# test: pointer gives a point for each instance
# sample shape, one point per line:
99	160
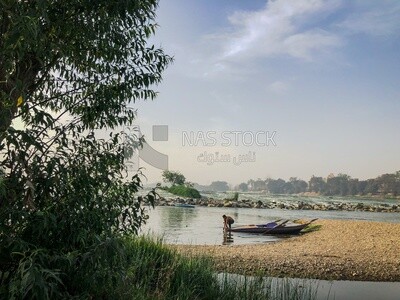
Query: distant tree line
215	186
340	185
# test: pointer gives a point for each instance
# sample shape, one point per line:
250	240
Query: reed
159	272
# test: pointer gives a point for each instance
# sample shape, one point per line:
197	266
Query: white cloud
278	29
381	21
303	45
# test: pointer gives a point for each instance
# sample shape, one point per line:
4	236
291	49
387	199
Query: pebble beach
339	250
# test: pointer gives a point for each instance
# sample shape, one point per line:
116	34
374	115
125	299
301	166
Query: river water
327	290
203	225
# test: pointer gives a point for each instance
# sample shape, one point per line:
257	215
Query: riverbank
340	250
279	204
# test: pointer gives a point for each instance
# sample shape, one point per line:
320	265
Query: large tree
66	69
219	186
243	187
173	177
276	186
337	185
317	184
86	58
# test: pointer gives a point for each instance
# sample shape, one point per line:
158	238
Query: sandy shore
340	250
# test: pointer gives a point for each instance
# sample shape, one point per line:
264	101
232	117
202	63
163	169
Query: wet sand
339	250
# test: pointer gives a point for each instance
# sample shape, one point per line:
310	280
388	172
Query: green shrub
69	245
184	191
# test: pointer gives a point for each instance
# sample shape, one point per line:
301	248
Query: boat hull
287	229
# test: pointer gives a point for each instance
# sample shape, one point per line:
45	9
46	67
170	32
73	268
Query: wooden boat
272	228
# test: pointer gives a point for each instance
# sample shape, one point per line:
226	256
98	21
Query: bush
60	235
184	191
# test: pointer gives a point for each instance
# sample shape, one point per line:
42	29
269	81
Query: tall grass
140	268
246	287
158	272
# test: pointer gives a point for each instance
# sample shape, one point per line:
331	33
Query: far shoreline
278	203
314	194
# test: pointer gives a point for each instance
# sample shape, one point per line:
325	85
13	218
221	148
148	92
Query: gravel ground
340	250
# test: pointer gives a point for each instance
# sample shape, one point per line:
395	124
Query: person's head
224	216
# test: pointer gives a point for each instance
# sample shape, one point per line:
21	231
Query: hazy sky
323	75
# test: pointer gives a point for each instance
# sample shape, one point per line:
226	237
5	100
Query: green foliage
2	184
62	238
257	185
184	191
243	187
162	273
87	58
219	186
68	68
276	186
387	185
158	272
317	184
235	197
311	228
337	185
175	178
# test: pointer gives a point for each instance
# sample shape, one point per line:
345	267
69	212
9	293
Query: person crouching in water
228	221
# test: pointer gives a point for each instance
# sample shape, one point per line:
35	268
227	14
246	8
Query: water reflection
323	289
203	225
178	217
228	238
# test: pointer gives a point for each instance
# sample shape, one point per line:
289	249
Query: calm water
357	290
203	225
338	290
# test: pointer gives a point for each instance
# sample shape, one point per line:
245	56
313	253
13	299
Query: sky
277	89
